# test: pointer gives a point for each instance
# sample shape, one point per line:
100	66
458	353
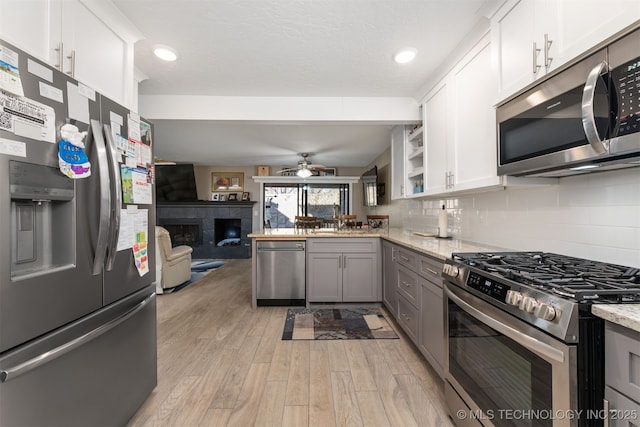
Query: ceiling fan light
304	173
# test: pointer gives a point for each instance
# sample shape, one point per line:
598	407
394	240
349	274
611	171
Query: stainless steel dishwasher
281	273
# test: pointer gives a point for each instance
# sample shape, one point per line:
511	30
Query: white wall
594	216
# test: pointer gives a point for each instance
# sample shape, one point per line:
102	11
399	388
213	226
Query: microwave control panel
626	78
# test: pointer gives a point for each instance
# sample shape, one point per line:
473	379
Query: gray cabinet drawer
408	285
622	362
431	269
408	258
343	245
408	318
623	412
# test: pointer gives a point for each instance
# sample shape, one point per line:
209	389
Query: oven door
502	372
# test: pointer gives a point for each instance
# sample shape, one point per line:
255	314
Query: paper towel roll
443	223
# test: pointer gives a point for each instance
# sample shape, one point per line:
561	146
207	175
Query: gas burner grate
575	278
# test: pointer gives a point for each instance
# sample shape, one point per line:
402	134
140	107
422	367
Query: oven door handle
545	350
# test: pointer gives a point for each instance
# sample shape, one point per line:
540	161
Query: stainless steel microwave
584	118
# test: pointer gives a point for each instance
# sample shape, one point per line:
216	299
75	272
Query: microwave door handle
537	346
114	224
588	118
105	198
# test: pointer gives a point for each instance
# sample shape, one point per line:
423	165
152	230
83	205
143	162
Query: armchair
173	265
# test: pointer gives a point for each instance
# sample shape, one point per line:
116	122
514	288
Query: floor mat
336	324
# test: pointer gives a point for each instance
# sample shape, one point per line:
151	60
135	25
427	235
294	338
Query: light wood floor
221	363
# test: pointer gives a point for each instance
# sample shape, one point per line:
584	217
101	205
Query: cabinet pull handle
547	45
72	64
60	50
340	261
404	258
393	254
344	263
536	51
431	271
408	285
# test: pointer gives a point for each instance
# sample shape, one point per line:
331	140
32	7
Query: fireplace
212	229
184	234
227	231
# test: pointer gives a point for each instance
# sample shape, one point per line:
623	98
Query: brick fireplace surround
194	224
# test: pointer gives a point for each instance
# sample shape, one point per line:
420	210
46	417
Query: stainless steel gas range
523	348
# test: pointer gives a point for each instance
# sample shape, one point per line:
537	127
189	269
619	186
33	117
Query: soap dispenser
443	223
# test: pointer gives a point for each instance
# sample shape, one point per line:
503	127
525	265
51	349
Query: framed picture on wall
223	197
245	196
233	197
227	181
215	197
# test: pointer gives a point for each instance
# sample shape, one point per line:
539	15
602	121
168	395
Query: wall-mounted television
370	187
175	183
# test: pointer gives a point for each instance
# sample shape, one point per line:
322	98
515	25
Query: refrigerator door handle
105	202
116	202
24	367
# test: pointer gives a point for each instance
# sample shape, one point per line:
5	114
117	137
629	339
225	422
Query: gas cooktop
577	279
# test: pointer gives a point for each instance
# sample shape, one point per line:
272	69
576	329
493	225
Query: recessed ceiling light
405	55
165	53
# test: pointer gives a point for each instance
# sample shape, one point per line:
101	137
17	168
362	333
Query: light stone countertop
433	246
627	315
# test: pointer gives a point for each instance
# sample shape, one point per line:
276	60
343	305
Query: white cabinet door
398	134
101	55
518	32
437	121
474	160
585	23
33	26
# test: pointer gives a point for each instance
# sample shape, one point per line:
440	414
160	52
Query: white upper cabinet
87	39
407	161
28	25
534	37
585	23
398	135
437	115
460	126
523	34
474	164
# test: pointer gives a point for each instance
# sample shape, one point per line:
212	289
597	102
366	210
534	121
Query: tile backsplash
594	216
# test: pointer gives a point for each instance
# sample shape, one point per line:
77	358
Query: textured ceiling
308	48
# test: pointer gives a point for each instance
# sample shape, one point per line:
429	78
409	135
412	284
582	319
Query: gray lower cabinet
389	281
431	339
343	270
418	299
622	375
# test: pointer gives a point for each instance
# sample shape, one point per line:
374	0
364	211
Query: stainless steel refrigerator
77	300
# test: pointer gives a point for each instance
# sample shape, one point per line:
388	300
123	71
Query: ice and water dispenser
42	219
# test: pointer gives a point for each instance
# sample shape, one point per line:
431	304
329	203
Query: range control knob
546	312
513	297
528	304
451	270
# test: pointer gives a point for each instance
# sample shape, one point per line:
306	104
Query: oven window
502	377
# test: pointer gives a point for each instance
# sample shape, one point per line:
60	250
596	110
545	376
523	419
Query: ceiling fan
304	169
